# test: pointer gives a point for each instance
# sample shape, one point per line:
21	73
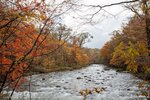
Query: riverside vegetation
128	50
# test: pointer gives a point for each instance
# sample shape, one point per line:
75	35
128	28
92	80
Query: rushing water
66	85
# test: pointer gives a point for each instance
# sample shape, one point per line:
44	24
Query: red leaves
25	9
19	39
6	61
16	47
104	50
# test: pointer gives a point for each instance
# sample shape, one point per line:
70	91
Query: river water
66	85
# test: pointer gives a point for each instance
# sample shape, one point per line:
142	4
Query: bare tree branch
135	11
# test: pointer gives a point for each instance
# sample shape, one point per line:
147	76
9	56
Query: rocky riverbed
66	85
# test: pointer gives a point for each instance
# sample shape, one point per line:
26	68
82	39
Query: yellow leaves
19	15
132	50
144	94
32	14
129	55
142	48
28	15
82	58
147	70
144	5
132	66
141	85
43	17
144	88
85	92
118	56
16	14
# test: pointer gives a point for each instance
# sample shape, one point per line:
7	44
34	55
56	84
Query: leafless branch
134	10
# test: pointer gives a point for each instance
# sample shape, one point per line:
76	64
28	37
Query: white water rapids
66	85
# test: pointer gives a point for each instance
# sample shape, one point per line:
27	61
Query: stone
106	68
58	86
65	88
128	89
79	78
43	78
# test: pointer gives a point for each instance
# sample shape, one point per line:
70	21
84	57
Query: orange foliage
104	52
79	56
13	49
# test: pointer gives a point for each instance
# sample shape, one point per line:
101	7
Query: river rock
125	71
58	86
66	82
103	71
106	68
65	88
79	78
128	89
43	78
97	83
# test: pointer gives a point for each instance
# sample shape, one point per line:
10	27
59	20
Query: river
66	85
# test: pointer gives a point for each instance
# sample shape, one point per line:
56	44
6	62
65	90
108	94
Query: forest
24	47
35	41
128	48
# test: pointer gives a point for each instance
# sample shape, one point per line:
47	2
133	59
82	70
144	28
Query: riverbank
140	75
39	70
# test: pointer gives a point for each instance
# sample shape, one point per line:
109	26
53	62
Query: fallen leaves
85	92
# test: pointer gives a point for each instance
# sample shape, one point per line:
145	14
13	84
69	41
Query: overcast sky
108	22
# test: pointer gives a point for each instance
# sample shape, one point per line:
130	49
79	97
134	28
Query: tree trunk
147	22
148	31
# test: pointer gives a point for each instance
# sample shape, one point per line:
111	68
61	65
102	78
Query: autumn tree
23	32
129	50
144	6
118	56
105	53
